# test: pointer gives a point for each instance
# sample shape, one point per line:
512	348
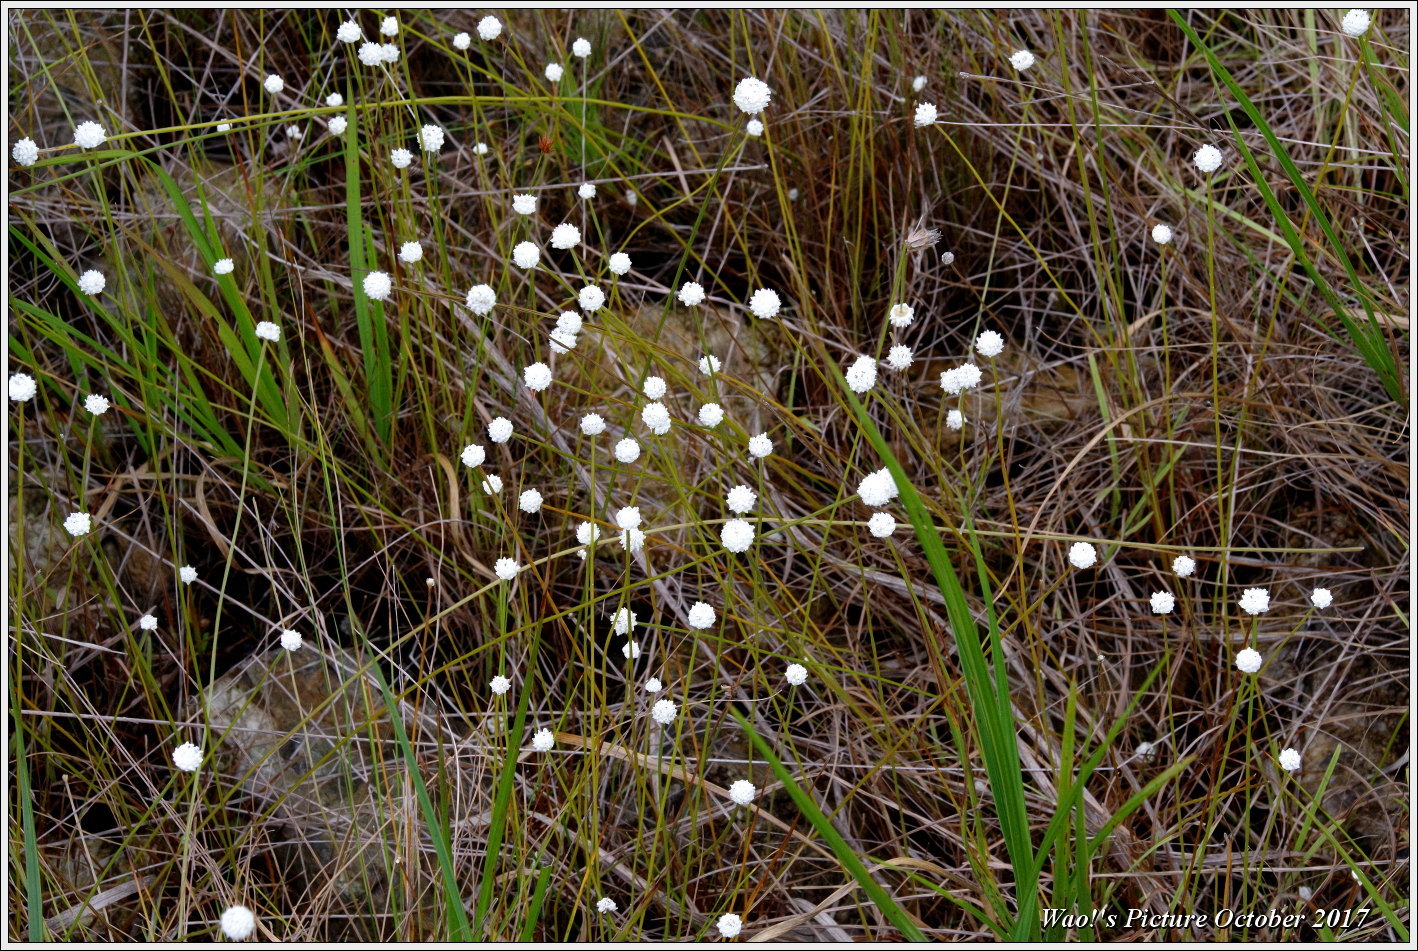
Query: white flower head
1162	233
1255	601
752	95
22	388
562	341
187	757
605	905
92	282
348	32
737	535
581	48
691	293
1322	598
711	415
238	922
388	53
78	523
628	517
370	54
462	41
431	138
1163	602
760	446
958	379
492	484
740	499
925	114
654	387
334	100
401	158
1290	759
292	640
489	27
878	488
224	266
337	125
569	321
473	455
653	685
754	128
619	263
565	236
500	685
377	285
553	72
537	376
901	315
500	429
623	622
543	740
148	622
481	300
701	615
506	568
989	344
389	26
881	525
274	84
25	152
1355	23
918	84
587	532
954	419
1082	555
664	712
1021	60
630	650
632	540
730	925
187	573
1207	158
1183	565
524	204
627	450
294	131
89	135
98	405
266	330
410	252
900	357
656	417
796	674
764	304
861	375
742	792
591	298
592	424
530	501
587	191
709	364
1248	661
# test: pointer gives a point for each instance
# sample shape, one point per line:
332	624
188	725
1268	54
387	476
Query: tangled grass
985	732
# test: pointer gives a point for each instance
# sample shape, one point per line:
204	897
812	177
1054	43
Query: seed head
623	622
653	685
401	158
389	26
918	84
961	378
709	365
337	125
654	387
587	191
754	128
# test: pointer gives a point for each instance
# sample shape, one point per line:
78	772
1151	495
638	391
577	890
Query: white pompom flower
737	535
148	622
752	95
187	757
900	357
581	48
500	429
401	158
926	114
623	622
377	285
878	488
653	685
691	293
537	376
605	905
1355	23
481	299
701	615
292	640
861	375
410	252
565	236
740	499
627	450
500	685
25	152
473	455
1322	598
562	341
1255	601
530	501
266	330
664	712
187	574
553	72
492	484
238	922
89	135
462	41
274	84
742	792
630	650
628	517
954	419
506	568
709	364
78	523
1207	159
656	417
1021	60
958	379
1162	233
569	321
348	32
22	388
764	304
1183	565
619	263
754	128
796	674
587	191
881	525
1082	555
389	26
98	405
370	54
654	387
337	125
224	266
489	27
593	424
760	446
901	315
591	298
1290	759
335	100
729	925
431	138
989	344
1248	660
1163	602
543	740
524	204
918	84
92	282
711	415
